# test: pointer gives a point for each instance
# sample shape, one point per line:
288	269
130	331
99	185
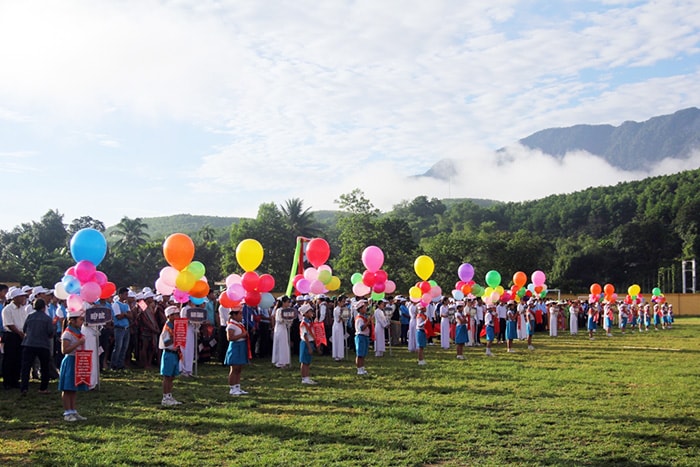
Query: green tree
299	221
85	222
130	233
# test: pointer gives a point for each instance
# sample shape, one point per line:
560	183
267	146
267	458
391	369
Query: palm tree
207	233
299	221
130	233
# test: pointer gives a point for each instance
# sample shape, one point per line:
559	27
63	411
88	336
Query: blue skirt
304	355
461	334
237	353
421	338
623	323
591	324
169	364
608	323
511	330
490	333
361	345
531	327
657	320
66	380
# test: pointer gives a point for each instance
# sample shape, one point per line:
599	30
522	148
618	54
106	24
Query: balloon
253	298
70	271
178	250
494	296
317	287
266	283
100	278
519	278
477	290
390	287
355	278
324	276
227	302
634	290
267	300
538	277
373	258
71	284
426	297
181	296
249	254
109	289
197	300
415	292
85	271
424	286
596	289
360	289
161	287
609	289
379	287
235	292
303	286
506	296
493	278
333	284
233	279
457	295
465	272
296	279
488	291
499	289
90	292
376	296
368	278
74	302
317	251
197	269
169	275
311	274
59	291
185	280
466	289
380	276
88	245
543	294
325	267
250	281
200	289
435	291
656	291
424	267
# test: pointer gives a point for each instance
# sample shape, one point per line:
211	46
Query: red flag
319	333
180	333
83	367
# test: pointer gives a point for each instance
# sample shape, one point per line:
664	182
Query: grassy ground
629	400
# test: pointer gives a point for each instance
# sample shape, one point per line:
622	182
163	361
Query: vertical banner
319	333
180	333
83	367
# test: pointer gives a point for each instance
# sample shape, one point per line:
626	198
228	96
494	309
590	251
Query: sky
143	108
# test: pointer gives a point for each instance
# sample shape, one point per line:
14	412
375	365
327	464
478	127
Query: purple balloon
466	272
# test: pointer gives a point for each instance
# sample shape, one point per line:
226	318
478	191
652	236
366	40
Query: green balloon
521	292
656	291
493	279
377	296
477	290
355	278
432	283
543	294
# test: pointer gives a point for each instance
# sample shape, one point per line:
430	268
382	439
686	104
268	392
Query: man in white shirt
13	318
502	311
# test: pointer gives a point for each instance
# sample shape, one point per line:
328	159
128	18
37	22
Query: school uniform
66	380
461	332
421	336
362	331
237	352
488	322
511	325
170	357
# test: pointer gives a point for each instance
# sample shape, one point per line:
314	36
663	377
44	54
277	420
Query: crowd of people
40	336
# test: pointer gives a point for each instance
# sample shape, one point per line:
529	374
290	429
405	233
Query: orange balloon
596	289
200	289
519	278
609	289
178	250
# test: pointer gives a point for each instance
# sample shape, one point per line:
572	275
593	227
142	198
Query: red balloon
380	277
266	283
108	289
379	287
252	298
296	279
318	251
226	301
250	281
424	286
368	278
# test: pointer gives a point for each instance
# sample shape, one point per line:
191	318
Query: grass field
628	400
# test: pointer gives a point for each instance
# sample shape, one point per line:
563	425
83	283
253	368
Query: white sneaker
79	417
168	402
460	357
530	347
242	392
70	417
421	362
361	371
308	381
489	353
511	351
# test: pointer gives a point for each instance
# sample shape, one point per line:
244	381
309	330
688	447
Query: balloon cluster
425	291
318	279
466	287
657	296
184	279
605	293
634	295
251	287
83	282
373	279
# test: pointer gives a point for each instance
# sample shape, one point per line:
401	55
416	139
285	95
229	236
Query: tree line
633	232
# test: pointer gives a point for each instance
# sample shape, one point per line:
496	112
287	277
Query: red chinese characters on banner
83	367
319	334
180	333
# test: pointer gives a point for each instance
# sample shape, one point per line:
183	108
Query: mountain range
629	146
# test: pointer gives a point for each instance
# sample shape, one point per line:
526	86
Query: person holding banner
71	341
238	353
170	357
306	343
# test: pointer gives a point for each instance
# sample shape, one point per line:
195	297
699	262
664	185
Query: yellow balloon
424	267
634	289
249	254
185	280
333	284
415	292
488	291
500	290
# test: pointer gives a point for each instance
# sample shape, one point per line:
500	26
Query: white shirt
502	311
223	315
12	314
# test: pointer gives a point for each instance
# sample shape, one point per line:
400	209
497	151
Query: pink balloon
360	289
426	297
380	276
325	267
74	302
317	287
180	296
100	278
373	258
90	292
303	286
169	275
70	271
163	288
379	287
85	271
435	291
233	279
538	278
311	274
390	287
235	292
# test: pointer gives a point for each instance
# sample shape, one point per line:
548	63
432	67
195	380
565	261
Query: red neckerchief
247	341
77	335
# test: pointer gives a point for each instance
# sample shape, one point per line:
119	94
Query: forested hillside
635	232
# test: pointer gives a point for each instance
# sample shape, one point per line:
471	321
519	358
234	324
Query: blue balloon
89	245
197	301
71	284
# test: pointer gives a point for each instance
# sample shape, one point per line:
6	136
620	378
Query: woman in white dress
413	312
280	338
444	324
380	324
553	319
573	318
522	321
338	330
